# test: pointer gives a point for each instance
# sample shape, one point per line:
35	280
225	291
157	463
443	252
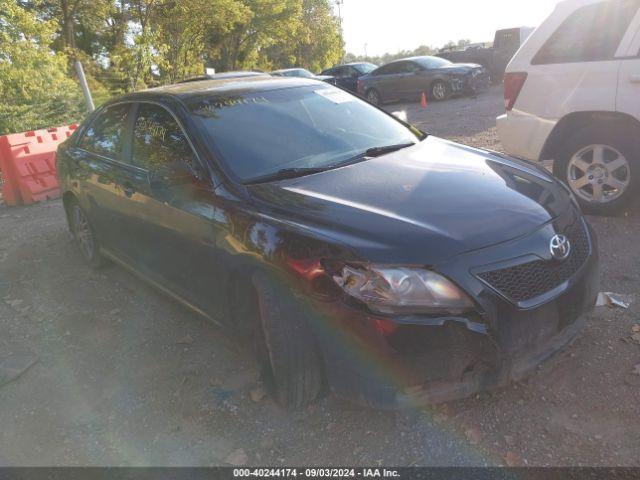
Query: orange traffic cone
423	102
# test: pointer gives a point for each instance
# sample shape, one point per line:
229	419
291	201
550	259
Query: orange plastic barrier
28	164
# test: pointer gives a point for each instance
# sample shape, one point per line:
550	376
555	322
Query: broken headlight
397	290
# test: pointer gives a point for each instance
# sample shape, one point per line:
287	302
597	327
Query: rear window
305	127
592	33
365	68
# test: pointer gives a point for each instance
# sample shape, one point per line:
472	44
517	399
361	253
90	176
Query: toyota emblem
560	247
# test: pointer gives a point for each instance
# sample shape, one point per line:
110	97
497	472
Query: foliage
35	87
128	45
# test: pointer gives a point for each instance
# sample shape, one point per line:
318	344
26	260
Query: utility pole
339	4
85	87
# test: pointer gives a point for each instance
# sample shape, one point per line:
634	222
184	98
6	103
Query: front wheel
286	348
440	91
601	167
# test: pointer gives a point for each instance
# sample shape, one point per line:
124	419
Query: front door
628	99
177	220
347	78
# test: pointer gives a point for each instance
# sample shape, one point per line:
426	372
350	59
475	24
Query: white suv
572	95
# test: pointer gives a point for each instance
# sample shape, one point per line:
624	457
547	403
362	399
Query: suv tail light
513	83
360	87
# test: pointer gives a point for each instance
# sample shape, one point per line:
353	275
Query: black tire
84	235
286	348
373	97
621	139
439	91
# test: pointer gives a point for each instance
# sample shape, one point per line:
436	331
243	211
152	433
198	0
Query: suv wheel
601	167
289	356
84	235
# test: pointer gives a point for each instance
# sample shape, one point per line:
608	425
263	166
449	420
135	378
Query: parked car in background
347	75
408	78
223	75
353	249
302	73
495	57
572	95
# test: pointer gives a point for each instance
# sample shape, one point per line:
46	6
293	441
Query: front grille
532	279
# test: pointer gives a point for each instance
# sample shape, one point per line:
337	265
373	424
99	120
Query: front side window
259	134
105	135
159	142
592	33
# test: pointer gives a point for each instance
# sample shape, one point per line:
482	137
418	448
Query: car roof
289	69
233	74
219	87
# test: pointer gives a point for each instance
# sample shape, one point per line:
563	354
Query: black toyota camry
351	249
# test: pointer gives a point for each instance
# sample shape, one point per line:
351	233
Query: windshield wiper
286	173
377	152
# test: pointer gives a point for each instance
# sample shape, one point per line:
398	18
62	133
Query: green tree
317	42
261	25
35	89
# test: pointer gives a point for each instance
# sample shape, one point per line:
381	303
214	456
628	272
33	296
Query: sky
394	25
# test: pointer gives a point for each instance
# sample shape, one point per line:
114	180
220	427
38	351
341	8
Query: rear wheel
84	235
440	91
373	97
601	166
287	351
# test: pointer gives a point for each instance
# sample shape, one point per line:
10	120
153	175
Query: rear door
105	176
388	80
576	68
628	100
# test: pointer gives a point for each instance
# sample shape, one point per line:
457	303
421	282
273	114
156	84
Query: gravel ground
125	376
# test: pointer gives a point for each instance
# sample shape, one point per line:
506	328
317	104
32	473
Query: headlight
396	290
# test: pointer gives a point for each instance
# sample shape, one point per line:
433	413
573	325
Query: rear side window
592	33
159	142
105	135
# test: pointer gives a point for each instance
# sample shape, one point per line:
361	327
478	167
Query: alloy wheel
82	232
439	91
598	174
373	97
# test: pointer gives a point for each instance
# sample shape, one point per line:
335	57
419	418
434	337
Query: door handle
128	190
635	78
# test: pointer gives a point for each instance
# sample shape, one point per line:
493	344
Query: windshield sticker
335	95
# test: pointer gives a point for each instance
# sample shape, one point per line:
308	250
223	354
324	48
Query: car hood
420	205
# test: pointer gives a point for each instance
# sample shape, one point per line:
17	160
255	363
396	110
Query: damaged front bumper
415	361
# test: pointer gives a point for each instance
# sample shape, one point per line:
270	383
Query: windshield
305	127
433	62
299	72
365	67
